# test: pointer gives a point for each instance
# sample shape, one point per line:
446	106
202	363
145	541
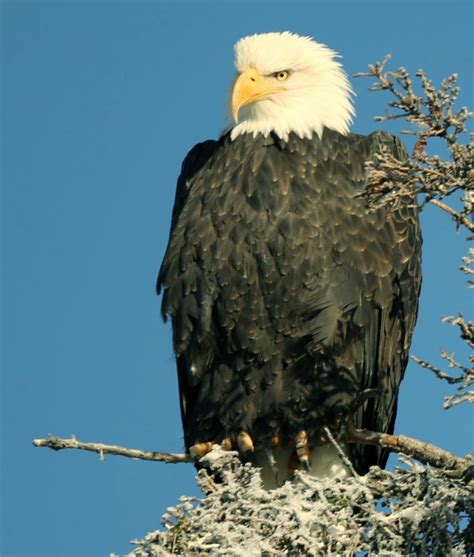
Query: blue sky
101	101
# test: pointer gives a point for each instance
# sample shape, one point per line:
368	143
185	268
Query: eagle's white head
287	83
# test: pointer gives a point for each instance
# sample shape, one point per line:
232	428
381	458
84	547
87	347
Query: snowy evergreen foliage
413	510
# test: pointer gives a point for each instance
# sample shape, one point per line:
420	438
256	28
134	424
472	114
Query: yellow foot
200	449
245	445
242	442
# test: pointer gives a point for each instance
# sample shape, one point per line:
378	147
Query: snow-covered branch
410	511
426	453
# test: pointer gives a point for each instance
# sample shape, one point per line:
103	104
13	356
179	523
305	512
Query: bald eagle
289	298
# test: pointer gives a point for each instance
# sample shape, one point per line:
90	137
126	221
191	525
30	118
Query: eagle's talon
306	463
227	444
302	449
245	445
276	440
200	449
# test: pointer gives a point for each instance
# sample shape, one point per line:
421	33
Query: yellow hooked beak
250	87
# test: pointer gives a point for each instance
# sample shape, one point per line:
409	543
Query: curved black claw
306	465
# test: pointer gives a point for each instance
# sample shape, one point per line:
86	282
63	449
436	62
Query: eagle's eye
281	75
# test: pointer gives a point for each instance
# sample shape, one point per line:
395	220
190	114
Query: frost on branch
412	510
432	114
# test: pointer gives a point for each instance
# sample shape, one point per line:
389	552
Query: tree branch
58	444
452	465
438	372
427	453
457	216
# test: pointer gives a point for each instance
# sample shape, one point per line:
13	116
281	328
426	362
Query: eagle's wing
192	165
360	305
391	318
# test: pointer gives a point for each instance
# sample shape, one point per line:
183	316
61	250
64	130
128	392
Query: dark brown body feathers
287	296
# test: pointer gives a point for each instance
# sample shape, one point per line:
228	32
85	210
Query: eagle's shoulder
367	146
381	140
192	164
